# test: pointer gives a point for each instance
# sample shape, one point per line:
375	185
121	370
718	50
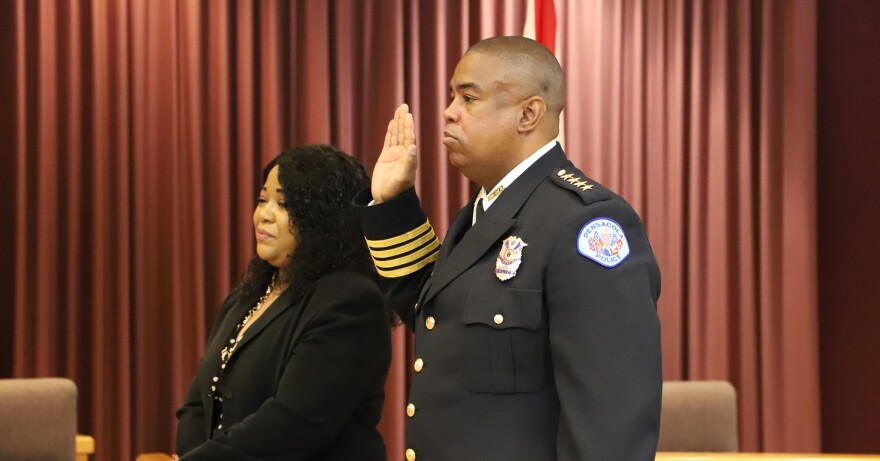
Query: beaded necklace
227	351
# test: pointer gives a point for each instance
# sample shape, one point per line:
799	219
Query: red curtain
135	130
131	164
702	114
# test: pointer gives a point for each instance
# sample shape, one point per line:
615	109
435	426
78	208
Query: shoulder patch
603	241
571	179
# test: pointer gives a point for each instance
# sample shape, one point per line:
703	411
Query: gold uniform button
430	322
499	319
410	410
410	454
417	366
416	306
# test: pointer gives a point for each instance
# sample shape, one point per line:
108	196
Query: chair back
698	416
37	419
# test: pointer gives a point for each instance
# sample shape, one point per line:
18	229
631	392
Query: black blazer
561	361
306	382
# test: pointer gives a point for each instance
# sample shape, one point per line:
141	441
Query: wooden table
670	456
683	457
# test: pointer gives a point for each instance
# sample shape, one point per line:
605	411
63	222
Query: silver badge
509	258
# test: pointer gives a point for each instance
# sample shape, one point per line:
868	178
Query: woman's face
275	241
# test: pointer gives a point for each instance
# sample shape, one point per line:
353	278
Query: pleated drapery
140	129
135	131
702	115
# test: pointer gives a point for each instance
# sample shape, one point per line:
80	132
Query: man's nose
449	114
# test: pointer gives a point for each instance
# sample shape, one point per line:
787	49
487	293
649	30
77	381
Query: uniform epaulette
570	178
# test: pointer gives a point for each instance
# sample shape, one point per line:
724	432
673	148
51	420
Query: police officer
536	331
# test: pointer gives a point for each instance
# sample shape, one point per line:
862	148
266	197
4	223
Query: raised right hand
395	171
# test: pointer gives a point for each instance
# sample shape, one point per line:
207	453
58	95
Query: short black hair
533	63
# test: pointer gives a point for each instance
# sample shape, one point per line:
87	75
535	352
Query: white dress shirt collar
507	180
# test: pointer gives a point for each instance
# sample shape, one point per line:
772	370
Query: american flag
541	25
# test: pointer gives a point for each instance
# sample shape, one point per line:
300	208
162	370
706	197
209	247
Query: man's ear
533	110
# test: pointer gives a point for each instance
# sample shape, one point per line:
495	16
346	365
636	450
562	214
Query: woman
295	365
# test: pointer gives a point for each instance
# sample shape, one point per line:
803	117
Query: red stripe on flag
545	23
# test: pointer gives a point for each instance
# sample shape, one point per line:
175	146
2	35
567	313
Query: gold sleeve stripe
403	271
403	260
400	238
381	254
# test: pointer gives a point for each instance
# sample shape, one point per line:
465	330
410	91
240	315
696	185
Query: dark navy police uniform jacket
536	331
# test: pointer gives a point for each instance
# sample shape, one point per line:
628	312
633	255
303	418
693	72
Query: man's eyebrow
467	86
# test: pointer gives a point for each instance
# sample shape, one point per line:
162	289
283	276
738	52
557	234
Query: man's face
482	118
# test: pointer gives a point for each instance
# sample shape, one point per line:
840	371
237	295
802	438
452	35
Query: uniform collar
463	247
506	181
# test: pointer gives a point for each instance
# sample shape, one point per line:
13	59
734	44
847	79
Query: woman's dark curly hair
318	182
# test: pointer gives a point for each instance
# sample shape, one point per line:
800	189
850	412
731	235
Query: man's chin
457	159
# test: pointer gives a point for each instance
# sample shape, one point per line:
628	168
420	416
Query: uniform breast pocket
506	340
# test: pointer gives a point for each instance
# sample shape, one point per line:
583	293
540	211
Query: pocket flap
502	308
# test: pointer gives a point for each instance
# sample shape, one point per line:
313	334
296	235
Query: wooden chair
698	416
38	419
698	422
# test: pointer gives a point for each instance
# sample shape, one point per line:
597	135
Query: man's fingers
401	131
387	137
409	132
400	117
393	128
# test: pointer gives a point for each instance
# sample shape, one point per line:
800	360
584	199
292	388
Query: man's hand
395	171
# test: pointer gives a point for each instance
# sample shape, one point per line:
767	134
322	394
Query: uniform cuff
398	234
